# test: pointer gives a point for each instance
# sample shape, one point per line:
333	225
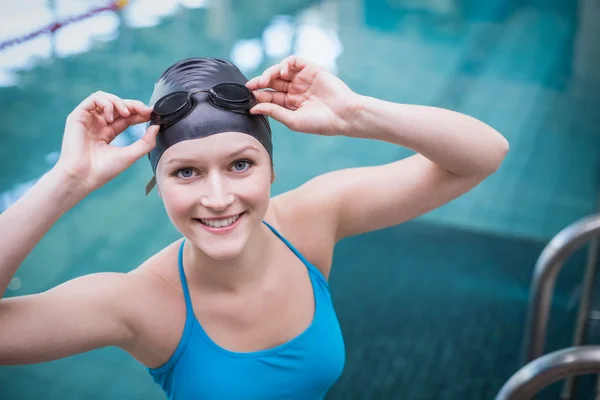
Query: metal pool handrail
547	267
552	367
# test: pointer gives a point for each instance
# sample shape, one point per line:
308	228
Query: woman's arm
79	315
87	312
83	314
24	224
455	153
455	142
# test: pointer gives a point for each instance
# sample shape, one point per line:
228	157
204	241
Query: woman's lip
222	229
223	217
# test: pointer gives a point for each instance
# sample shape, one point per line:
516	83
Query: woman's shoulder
161	266
154	284
157	306
296	220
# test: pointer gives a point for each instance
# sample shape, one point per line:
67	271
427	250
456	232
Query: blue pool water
432	309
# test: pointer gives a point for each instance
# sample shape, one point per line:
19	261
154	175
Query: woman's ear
272	175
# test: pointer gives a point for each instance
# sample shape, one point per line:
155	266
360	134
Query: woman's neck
235	275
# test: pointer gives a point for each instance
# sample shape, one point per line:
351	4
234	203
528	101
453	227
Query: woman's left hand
304	97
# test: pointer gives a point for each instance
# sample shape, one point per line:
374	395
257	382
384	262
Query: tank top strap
189	320
314	270
184	285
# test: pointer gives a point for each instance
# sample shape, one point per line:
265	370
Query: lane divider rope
116	6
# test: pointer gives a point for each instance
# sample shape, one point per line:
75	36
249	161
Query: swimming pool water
432	309
427	312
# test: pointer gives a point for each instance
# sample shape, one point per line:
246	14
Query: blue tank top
303	368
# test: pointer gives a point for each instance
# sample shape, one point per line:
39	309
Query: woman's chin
225	250
223	254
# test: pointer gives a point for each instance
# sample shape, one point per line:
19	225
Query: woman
240	306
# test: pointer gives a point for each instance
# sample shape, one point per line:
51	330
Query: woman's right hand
86	155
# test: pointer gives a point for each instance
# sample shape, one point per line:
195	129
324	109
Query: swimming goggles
173	107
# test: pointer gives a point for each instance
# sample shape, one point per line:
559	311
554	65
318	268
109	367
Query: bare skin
253	320
143	312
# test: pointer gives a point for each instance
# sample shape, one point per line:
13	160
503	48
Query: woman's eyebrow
177	160
191	160
242	150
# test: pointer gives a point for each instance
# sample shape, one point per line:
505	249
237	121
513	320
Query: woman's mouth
220	225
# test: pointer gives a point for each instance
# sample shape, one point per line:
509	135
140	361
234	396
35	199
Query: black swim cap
204	120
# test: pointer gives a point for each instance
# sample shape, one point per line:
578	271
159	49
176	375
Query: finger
281	85
285	69
95	103
288	69
120	124
270	96
270	73
295	62
136	106
143	145
118	103
252	84
281	114
89	103
289	74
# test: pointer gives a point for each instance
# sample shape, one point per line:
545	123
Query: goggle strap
150	185
199	91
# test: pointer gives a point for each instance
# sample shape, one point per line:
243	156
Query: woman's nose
218	197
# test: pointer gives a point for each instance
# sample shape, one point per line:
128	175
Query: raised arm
24	224
78	315
455	153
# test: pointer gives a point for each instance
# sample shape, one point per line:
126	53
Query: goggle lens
232	92
228	96
171	103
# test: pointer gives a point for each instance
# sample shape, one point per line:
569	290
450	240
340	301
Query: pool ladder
542	370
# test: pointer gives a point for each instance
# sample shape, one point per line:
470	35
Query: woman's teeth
220	223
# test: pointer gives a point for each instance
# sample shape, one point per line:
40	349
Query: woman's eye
242	165
184	173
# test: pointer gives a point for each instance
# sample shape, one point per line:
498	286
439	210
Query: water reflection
10	196
482	59
494	60
143	14
19	19
317	37
278	36
25	17
79	37
247	55
312	35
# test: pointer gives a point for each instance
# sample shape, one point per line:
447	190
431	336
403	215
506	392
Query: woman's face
216	190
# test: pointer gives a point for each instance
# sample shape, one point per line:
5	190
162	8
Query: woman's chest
304	368
259	352
261	318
